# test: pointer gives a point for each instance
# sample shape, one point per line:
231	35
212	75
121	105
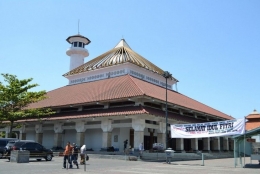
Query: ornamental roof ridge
121	53
122	43
254	112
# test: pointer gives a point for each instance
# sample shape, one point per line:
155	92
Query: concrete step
159	156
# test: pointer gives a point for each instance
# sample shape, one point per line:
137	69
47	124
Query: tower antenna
78	26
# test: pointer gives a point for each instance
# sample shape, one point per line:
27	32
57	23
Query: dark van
3	143
36	150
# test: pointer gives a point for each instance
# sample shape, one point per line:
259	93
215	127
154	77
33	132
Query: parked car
3	143
11	143
36	150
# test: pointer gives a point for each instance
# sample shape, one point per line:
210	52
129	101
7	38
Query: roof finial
78	26
122	36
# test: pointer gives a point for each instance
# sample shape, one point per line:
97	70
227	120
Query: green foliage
15	98
2	134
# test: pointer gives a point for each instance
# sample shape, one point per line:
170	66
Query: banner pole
235	158
244	141
202	157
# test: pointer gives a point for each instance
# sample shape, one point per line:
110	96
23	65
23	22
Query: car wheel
38	159
48	157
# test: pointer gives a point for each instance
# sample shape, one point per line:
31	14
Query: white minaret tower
77	51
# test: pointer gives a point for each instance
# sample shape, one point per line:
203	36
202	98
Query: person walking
82	154
74	156
67	156
125	145
141	149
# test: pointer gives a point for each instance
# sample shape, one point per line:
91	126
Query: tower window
83	45
75	44
80	44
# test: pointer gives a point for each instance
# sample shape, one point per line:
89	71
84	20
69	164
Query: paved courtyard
115	166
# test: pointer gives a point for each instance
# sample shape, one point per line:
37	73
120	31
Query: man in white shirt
82	154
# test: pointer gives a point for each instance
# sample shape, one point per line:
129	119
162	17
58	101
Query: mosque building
114	97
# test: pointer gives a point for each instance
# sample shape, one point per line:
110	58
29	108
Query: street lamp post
166	75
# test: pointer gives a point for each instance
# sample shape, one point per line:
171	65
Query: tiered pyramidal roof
120	54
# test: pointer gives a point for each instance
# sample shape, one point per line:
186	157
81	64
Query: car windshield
18	144
10	143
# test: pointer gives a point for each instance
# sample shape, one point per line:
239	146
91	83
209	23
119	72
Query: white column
106	126
180	144
216	144
7	131
161	134
22	135
39	131
206	144
138	125
80	136
194	144
225	144
58	129
218	138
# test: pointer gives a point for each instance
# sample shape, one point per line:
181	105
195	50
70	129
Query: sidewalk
114	166
226	162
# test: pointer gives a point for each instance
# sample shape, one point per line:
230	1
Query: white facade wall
69	135
124	134
30	135
248	148
48	139
119	70
93	139
257	138
115	138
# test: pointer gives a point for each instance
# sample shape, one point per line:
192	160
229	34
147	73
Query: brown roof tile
120	111
253	116
116	88
252	125
177	98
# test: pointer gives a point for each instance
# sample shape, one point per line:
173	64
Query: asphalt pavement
115	166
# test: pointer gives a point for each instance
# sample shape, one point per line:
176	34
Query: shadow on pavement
252	166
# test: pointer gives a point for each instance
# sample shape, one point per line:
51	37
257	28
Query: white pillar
161	134
216	144
138	125
226	144
194	144
22	135
7	131
106	126
39	131
80	135
218	138
161	138
206	144
180	144
58	129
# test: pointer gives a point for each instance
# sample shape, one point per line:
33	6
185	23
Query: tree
15	98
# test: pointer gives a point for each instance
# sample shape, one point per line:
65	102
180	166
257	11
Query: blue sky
212	47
